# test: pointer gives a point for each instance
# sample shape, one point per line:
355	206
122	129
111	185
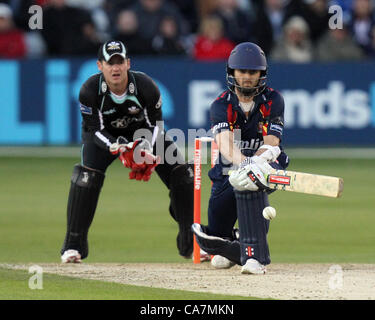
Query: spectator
205	7
127	31
99	16
362	23
20	12
118	5
151	12
211	43
12	40
337	45
35	44
345	5
68	30
317	16
294	45
113	7
167	41
189	10
270	16
245	4
372	48
237	23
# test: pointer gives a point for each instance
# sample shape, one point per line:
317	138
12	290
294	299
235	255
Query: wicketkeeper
257	112
114	104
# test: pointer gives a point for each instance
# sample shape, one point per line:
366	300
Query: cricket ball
269	213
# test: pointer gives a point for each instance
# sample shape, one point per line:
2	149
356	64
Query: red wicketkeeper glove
121	145
144	173
141	161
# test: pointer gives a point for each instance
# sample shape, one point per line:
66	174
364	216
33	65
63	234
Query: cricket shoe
253	266
71	256
220	262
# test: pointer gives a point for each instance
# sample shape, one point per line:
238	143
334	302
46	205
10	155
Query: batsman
255	111
115	104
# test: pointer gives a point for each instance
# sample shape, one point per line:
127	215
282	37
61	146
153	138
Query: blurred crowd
205	30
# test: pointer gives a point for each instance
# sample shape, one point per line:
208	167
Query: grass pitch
132	222
14	286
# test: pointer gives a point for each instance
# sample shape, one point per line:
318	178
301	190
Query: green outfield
14	286
132	223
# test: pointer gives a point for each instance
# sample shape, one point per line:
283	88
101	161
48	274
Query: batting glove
252	176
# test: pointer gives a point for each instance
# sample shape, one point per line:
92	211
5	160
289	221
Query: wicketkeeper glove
144	174
119	146
139	158
136	154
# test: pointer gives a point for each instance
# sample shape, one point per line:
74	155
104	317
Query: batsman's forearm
227	147
269	140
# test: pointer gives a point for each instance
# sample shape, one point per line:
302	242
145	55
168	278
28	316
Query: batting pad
83	198
253	227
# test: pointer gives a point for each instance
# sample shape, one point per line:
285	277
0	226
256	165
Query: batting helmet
247	56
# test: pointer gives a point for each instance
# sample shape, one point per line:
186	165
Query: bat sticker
284	180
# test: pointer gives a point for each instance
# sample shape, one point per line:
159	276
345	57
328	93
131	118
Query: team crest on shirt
260	126
104	87
133	110
131	88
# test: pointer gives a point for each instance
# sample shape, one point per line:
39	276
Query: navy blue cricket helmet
247	56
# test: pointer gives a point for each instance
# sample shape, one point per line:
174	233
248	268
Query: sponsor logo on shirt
85	109
219	126
110	111
277	128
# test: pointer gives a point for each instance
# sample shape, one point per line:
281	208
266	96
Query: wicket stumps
198	183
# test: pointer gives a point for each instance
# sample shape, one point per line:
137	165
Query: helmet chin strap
234	87
249	92
246	92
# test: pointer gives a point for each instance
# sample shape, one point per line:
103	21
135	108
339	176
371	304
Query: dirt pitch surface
282	281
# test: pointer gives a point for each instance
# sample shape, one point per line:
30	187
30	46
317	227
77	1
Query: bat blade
306	183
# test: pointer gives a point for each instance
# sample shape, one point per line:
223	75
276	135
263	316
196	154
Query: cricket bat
305	183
